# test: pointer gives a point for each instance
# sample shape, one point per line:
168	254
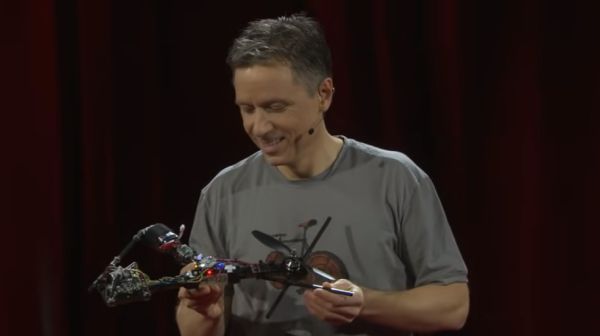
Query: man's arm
423	309
427	308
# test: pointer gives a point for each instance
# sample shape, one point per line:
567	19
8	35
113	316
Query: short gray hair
297	41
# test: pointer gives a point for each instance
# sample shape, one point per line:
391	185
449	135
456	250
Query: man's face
277	112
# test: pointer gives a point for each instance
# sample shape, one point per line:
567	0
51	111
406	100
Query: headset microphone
311	130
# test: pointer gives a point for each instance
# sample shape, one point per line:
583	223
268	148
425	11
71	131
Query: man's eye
277	107
246	109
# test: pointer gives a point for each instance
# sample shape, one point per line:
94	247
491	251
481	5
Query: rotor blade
314	242
332	290
271	242
321	273
277	300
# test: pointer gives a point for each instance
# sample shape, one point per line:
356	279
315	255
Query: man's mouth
270	145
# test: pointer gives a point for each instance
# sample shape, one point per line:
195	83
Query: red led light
209	272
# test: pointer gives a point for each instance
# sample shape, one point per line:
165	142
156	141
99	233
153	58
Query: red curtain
116	113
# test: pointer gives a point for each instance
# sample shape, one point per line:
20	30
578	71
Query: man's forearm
422	309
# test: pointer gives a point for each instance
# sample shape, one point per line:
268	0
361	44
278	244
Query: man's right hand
205	300
200	310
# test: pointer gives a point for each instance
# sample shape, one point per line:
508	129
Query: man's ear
326	91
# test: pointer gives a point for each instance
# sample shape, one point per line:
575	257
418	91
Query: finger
329	314
311	298
182	293
199	292
211	310
332	314
342	284
187	268
209	291
330	300
316	306
327	284
322	307
333	298
215	293
348	312
204	300
203	292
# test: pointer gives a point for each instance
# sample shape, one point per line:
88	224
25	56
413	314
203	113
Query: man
388	242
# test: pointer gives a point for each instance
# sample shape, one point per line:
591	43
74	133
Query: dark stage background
116	113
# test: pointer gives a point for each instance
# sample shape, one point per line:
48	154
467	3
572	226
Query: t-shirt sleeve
430	248
207	237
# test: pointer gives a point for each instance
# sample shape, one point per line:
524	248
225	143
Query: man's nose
262	123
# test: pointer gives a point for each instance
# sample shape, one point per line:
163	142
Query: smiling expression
277	112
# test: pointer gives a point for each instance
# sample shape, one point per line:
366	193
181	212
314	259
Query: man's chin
274	160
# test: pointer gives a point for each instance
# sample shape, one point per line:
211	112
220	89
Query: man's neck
318	159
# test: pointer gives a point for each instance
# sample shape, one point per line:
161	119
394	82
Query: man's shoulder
385	158
241	167
236	173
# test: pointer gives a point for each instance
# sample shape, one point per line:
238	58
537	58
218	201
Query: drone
119	285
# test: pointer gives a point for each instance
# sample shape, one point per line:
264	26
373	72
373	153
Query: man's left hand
335	308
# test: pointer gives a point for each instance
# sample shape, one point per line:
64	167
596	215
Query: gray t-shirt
388	232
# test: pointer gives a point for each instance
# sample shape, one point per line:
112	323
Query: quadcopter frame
119	285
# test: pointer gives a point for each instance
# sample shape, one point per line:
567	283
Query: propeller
322	273
314	242
272	242
277	245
